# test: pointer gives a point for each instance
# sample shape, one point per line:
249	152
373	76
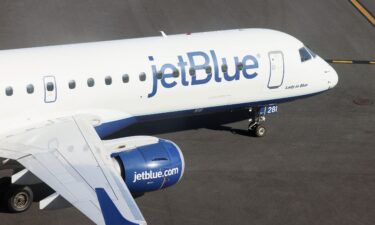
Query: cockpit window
304	54
311	52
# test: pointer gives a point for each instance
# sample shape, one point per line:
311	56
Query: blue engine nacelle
151	167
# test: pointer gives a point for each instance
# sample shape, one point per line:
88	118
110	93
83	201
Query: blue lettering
200	62
182	64
249	63
216	66
154	79
236	75
166	75
192	60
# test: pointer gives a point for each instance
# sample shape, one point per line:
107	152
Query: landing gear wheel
257	118
260	131
19	199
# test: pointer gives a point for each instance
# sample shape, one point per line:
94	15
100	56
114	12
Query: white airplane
58	102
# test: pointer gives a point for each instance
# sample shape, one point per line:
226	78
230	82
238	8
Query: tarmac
315	166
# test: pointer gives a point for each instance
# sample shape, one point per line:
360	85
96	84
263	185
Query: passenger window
224	68
50	86
192	71
90	82
72	84
159	75
304	54
9	91
176	73
240	66
208	69
108	80
30	89
142	76
125	78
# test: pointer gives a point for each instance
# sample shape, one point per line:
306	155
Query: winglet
110	212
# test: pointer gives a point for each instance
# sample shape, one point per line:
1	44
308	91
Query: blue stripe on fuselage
108	128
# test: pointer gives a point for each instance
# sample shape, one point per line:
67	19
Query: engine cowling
151	167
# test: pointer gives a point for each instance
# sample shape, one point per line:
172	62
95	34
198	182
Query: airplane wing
67	154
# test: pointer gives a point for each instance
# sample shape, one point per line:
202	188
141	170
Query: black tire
260	131
19	199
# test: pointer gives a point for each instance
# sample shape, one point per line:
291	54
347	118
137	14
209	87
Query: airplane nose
333	78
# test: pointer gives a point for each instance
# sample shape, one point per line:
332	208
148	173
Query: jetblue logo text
201	63
149	175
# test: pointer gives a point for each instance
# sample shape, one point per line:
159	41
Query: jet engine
150	167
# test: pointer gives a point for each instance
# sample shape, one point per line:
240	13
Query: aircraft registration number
269	109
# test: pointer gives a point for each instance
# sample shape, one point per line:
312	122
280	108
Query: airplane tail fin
109	210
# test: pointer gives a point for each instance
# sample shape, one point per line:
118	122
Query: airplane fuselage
158	76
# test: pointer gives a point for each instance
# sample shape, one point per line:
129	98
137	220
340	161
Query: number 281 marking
271	109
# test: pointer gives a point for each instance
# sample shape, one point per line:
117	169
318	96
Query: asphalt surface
317	163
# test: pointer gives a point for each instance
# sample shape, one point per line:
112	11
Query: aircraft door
50	92
276	69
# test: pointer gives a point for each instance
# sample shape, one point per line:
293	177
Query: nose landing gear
257	118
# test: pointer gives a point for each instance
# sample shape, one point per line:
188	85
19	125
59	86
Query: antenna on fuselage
163	34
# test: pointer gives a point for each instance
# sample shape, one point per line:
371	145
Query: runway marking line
364	11
341	61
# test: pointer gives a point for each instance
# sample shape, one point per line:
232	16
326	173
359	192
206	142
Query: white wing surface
68	155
